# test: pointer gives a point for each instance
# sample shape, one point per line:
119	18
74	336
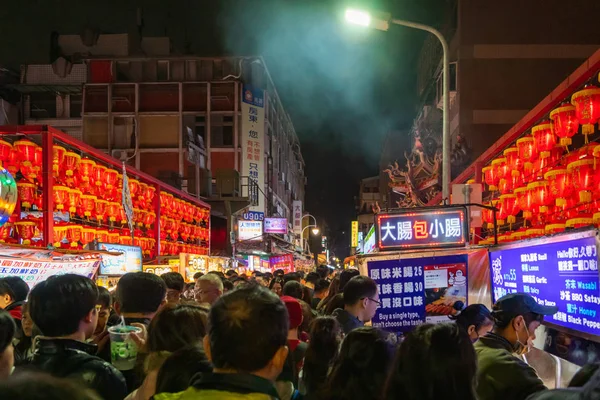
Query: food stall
124	259
72	196
195	263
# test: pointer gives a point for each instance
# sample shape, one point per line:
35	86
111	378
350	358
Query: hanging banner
354	236
413	291
297	214
126	200
253	140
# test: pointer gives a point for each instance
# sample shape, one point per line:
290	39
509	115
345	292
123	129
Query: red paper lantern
134	187
511	206
111	178
541	195
5	149
13	162
61	196
74	234
560	185
71	162
73	200
86	169
26	191
98	174
100	210
25	230
5	231
583	178
587	108
544	138
59	233
58	159
527	152
88	235
580	221
565	123
88	204
525	200
112	210
149	219
511	182
491	177
513	160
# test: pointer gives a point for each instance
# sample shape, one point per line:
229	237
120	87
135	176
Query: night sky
343	87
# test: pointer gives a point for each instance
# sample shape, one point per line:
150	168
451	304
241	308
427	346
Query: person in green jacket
502	374
247	345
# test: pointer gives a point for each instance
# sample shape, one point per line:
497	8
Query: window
221	131
162	71
42	105
76	105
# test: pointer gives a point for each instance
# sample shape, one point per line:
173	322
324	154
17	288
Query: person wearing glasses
208	289
361	299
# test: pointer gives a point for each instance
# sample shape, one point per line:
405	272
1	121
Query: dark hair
279	272
292	276
584	375
323	271
37	386
321	285
358	288
173	280
477	315
15	287
503	321
247	326
325	334
104	298
276	280
307	294
7	330
231	273
312	277
175	374
446	362
334	303
228	285
177	326
345	277
58	304
293	289
333	290
198	275
140	292
361	367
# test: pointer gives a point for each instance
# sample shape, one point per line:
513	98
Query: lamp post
382	22
315	231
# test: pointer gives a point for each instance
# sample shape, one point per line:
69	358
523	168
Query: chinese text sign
253	129
297	216
250	230
422	229
354	238
562	274
276	225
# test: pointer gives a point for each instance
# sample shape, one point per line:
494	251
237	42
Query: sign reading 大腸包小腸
424	228
560	271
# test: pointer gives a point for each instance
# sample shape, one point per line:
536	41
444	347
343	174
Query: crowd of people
264	336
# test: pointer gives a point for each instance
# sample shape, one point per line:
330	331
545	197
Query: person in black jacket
361	299
64	309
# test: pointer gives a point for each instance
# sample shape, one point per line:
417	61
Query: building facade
495	50
213	127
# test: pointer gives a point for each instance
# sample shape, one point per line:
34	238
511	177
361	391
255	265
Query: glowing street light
382	22
315	231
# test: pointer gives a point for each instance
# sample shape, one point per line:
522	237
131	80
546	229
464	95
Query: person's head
26	321
361	297
176	326
7	334
38	386
323	271
321	288
434	362
140	293
209	288
276	286
230	274
516	318
311	279
334	303
103	305
175	285
476	320
292	276
177	371
247	332
279	273
294	312
65	305
227	285
197	276
239	281
325	339
293	289
362	365
345	277
12	289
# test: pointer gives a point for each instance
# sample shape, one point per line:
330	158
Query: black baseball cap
515	304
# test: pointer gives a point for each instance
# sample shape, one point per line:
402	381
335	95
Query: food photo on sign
445	290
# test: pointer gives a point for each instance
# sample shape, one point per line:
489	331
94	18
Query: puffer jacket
66	358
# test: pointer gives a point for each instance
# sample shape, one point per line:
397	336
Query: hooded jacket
347	321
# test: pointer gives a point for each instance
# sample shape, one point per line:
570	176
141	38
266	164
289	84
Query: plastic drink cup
123	350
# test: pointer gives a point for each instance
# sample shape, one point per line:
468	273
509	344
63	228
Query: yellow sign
354	234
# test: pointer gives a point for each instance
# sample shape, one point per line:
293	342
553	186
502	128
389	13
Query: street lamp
382	22
315	231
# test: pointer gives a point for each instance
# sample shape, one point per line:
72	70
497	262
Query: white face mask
520	348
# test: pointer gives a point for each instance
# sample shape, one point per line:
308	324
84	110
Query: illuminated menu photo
561	271
424	228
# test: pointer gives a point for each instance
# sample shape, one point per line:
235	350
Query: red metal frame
49	135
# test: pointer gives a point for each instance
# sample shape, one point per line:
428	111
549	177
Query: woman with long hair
326	335
434	362
361	368
334	288
476	320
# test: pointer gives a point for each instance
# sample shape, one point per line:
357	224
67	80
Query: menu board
563	273
413	291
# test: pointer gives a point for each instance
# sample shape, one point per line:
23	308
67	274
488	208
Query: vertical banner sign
253	141
354	238
413	291
297	214
126	200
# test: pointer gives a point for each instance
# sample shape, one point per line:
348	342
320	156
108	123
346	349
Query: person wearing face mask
502	374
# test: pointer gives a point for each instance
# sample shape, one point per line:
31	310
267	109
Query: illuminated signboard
354	237
250	230
423	228
130	259
561	271
276	225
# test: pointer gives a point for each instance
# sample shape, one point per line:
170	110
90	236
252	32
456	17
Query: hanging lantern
5	231
100	210
59	233
511	182
587	108
26	191
71	162
525	200
541	195
26	150
112	210
111	177
543	165
88	235
58	159
149	195
490	177
134	187
511	207
88	204
564	123
13	162
74	234
544	138
527	152
125	240
582	175
73	200
513	160
86	169
551	229
98	175
113	237
535	232
25	230
61	196
102	235
5	149
122	216
149	219
580	221
560	185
